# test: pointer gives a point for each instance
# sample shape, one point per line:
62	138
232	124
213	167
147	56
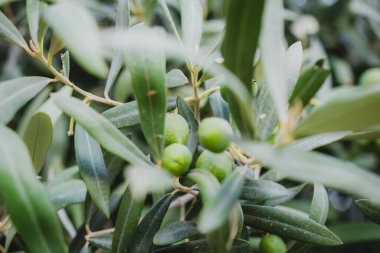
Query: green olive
177	159
272	244
176	129
215	134
219	164
370	77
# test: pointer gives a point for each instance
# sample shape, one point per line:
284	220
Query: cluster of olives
214	134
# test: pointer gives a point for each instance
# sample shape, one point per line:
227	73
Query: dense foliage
189	126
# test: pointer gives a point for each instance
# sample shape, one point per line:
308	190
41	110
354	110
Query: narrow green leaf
17	92
219	107
260	191
314	167
23	194
309	83
319	140
101	241
92	168
243	23
272	53
186	111
175	232
344	110
37	137
176	78
149	225
76	27
126	222
356	232
33	16
320	204
63	177
370	210
292	192
214	215
207	183
101	130
147	66
10	32
288	224
293	64
65	57
56	45
67	193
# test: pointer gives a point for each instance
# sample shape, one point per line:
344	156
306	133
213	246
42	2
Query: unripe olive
177	159
370	77
176	129
219	164
215	134
272	244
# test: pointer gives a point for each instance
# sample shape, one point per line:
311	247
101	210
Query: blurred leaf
309	83
175	232
185	110
10	233
293	64
101	130
65	57
319	140
149	225
147	179
272	53
101	241
219	107
243	23
288	224
67	193
260	191
17	92
291	193
77	28
56	45
175	77
314	167
214	215
93	169
33	15
207	183
37	138
26	201
370	210
355	232
340	112
147	67
320	204
63	177
126	223
10	32
51	109
201	246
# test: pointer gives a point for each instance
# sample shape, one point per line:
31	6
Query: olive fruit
177	159
215	134
176	129
272	244
219	164
370	77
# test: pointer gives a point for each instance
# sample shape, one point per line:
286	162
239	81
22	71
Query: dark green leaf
185	110
292	192
10	32
219	107
288	224
175	232
176	78
126	222
147	67
259	191
101	241
149	225
370	210
25	199
101	130
355	232
67	193
309	83
17	92
37	137
93	169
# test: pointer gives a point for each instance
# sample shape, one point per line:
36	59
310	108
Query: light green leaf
33	15
17	92
293	64
92	168
185	110
320	204
67	193
176	78
345	110
289	224
56	45
175	232
37	137
207	183
319	140
126	223
370	210
10	32
314	167
291	193
65	57
356	232
101	129
147	67
25	199
78	30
